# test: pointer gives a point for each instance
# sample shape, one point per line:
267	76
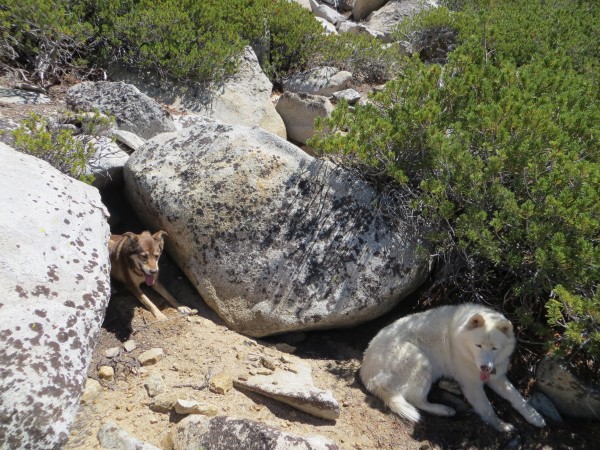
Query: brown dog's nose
153	271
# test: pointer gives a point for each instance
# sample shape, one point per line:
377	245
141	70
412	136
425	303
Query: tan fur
134	260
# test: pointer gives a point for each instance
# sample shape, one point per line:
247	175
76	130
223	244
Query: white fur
469	343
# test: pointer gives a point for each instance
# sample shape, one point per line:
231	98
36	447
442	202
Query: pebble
194	407
151	356
154	384
106	373
129	346
221	383
92	390
112	352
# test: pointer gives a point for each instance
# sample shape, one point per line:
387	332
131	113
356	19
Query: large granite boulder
273	239
243	98
54	278
394	12
226	433
132	110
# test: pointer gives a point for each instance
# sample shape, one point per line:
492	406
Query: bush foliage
499	150
183	39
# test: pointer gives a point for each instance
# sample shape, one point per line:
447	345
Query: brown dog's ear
131	237
475	321
159	235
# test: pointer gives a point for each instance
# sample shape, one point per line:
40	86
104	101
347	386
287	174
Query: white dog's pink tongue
149	279
484	376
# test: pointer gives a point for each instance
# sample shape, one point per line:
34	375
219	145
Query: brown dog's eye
144	256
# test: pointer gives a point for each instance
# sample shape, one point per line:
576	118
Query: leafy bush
499	150
47	36
57	145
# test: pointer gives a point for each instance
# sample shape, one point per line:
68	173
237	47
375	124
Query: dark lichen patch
22	292
40	313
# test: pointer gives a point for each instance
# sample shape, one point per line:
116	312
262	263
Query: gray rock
328	27
129	346
226	433
350	95
113	437
299	112
243	99
106	164
570	396
357	28
273	239
112	352
129	139
294	388
22	97
394	12
362	8
318	81
542	404
133	111
154	384
54	279
164	403
325	12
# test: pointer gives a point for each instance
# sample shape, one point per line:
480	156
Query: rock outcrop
273	239
132	110
54	278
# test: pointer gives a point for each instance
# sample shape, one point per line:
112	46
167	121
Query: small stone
221	383
112	352
285	348
243	377
264	372
194	407
129	346
151	356
106	373
164	403
268	363
154	385
92	390
154	420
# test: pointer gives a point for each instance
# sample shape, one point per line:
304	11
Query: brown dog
134	259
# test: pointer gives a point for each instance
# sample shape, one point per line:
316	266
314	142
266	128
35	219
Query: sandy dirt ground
199	346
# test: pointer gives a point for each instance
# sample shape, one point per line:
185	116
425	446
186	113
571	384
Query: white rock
54	279
111	436
334	261
299	112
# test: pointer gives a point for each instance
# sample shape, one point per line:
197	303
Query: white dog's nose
487	367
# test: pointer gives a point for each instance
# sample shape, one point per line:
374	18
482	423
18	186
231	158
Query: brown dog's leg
158	287
137	292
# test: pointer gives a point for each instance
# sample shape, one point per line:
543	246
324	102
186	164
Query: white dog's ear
506	327
158	236
475	321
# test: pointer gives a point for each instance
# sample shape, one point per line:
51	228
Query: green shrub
57	145
47	36
499	150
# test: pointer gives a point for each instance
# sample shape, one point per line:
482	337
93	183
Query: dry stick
198	387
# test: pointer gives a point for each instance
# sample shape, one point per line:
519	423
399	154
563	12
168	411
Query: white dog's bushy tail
400	406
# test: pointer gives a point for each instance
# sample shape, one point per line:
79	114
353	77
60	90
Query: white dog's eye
478	345
494	349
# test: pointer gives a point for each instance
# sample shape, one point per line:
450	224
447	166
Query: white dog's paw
502	426
186	310
536	419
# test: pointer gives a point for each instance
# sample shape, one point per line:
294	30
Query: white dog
470	343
